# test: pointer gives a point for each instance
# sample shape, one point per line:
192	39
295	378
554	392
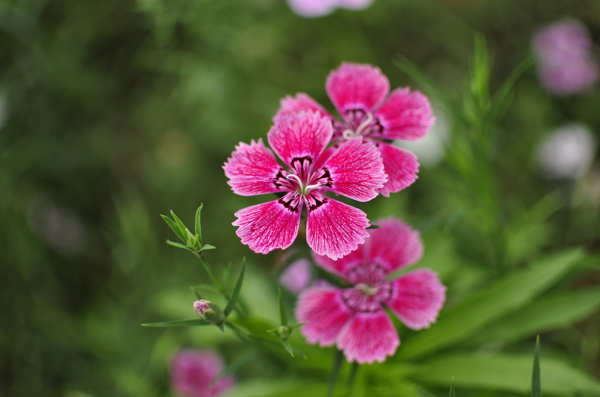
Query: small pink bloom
354	318
565	61
333	228
319	8
193	371
360	95
297	276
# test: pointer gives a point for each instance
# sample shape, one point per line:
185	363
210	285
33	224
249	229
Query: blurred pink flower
333	228
193	371
318	8
565	61
361	96
297	276
354	318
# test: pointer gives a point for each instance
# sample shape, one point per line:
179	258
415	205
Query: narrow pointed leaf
335	371
294	326
286	343
536	384
197	225
452	393
207	247
501	97
175	228
196	293
236	291
282	312
181	226
178	323
174	244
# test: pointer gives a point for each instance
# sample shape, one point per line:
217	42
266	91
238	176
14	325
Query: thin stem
338	360
351	378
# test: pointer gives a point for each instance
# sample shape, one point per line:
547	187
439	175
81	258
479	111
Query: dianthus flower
318	8
193	371
360	95
565	61
354	318
332	228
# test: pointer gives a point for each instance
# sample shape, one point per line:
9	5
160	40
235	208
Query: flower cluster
565	60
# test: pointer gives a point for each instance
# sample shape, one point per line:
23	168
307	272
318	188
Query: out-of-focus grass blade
197	225
235	365
181	226
415	73
536	384
236	291
501	99
335	371
282	312
452	393
175	228
178	323
479	309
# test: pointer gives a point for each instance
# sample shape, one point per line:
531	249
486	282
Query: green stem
338	360
351	378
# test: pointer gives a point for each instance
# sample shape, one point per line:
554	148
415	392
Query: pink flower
333	228
297	276
193	371
360	95
354	318
565	62
319	8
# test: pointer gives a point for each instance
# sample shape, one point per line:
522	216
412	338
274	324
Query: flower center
360	123
367	298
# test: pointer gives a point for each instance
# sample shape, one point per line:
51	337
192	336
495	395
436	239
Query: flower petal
401	167
251	169
334	228
268	226
300	135
356	87
417	298
297	276
356	170
395	245
340	266
301	103
405	115
369	337
325	312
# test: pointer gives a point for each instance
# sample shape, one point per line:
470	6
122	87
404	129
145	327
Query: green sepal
286	343
175	228
294	326
197	226
536	383
374	227
236	291
178	323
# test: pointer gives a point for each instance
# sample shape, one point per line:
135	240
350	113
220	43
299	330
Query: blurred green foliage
116	111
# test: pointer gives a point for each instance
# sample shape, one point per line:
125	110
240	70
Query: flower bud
209	311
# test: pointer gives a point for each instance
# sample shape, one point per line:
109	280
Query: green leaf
207	247
196	293
536	386
198	227
551	312
282	312
236	291
175	228
481	308
510	373
178	323
181	226
286	343
501	99
294	326
177	245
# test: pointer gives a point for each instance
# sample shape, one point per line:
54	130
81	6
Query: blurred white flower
566	152
429	149
319	8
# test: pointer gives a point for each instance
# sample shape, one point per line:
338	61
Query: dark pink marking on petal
356	87
301	103
395	245
401	167
334	228
405	115
251	169
300	135
369	337
325	312
266	227
417	298
342	265
356	170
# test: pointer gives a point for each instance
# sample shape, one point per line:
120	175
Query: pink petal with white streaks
395	245
342	265
401	167
334	228
405	115
368	337
299	135
297	276
301	103
417	298
356	169
325	312
268	226
354	86
251	169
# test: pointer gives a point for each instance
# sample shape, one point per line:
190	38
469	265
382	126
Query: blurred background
113	112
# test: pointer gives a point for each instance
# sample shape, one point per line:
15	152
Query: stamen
349	134
364	124
295	177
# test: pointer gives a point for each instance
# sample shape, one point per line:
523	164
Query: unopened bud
209	311
283	331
